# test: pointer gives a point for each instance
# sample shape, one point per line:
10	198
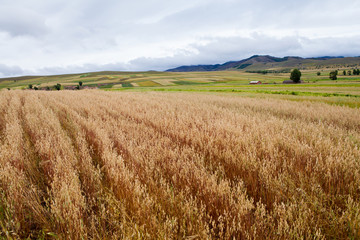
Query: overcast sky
67	36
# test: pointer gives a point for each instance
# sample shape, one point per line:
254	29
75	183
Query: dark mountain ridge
267	62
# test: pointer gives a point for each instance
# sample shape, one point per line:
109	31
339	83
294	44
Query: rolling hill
266	62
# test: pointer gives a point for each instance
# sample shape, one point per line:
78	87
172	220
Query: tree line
333	74
295	74
55	87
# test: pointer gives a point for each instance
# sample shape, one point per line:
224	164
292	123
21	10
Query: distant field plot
117	86
127	84
188	82
148	84
105	86
165	82
202	80
93	164
135	84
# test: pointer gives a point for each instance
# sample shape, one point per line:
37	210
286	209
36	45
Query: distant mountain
266	62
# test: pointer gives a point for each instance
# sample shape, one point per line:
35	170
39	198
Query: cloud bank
54	37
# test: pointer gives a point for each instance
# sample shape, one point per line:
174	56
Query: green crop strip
286	92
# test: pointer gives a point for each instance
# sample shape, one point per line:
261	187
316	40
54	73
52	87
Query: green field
343	91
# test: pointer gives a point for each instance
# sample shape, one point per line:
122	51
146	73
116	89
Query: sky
39	37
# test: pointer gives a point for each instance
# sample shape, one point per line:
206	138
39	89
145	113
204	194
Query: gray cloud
19	21
46	37
83	68
10	70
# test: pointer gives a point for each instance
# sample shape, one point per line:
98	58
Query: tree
354	72
318	73
36	88
358	72
349	72
295	75
80	83
30	86
58	86
344	72
333	75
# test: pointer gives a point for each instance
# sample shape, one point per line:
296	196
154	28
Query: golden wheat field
151	165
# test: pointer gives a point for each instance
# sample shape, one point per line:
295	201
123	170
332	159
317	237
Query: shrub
58	86
333	75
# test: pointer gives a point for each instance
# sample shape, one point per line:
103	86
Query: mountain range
266	62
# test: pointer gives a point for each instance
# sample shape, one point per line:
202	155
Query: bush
57	86
295	75
318	73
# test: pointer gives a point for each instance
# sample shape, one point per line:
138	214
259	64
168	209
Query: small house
255	82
